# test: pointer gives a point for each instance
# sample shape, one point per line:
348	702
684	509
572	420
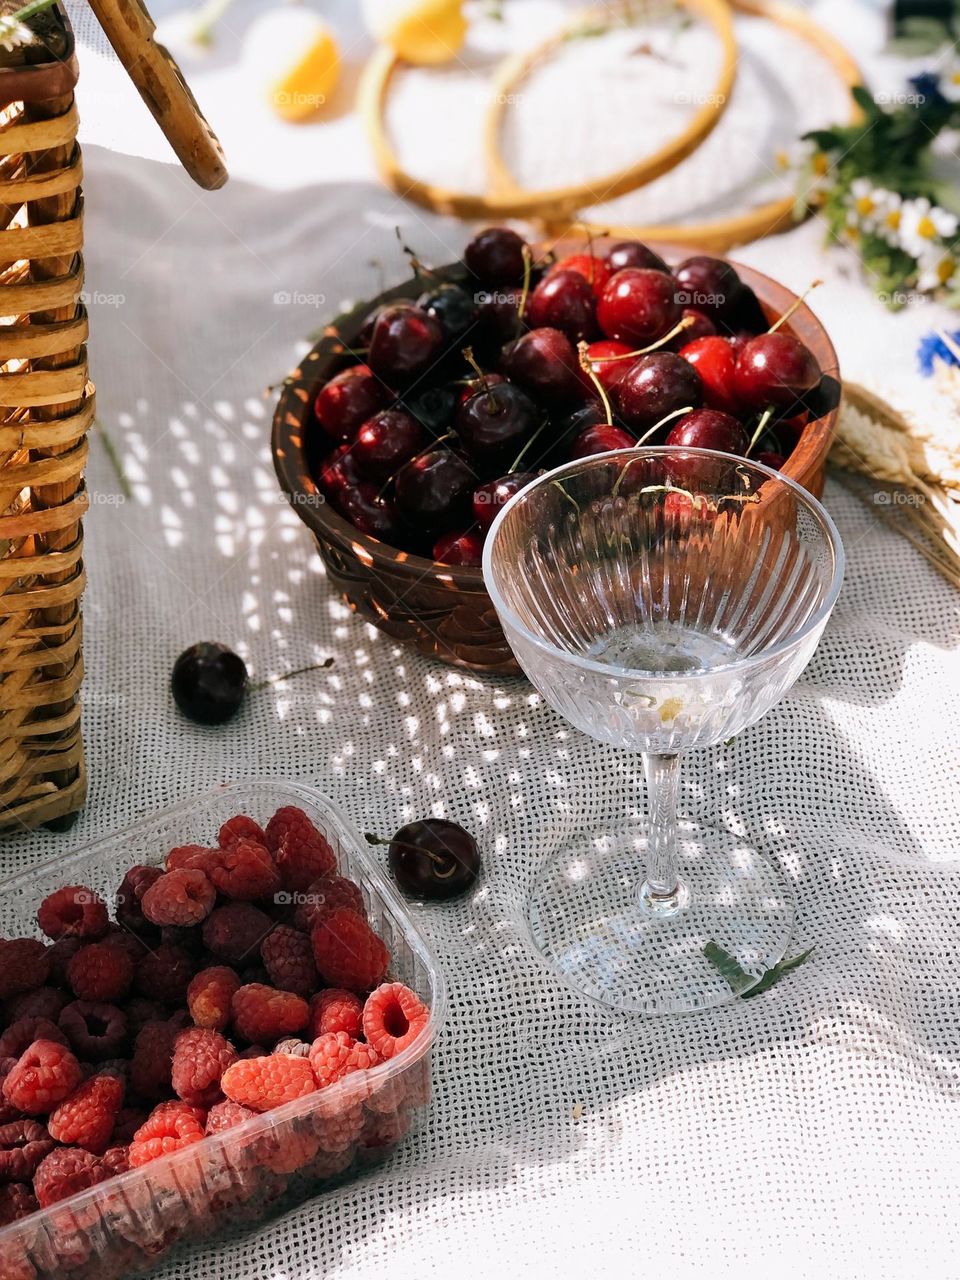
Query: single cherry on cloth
774	369
385	442
544	363
489	497
495	421
655	386
632	253
709	284
464	548
596	271
369	511
605	363
564	300
433	858
347	400
714	359
638	306
433	490
405	342
601	438
208	682
495	256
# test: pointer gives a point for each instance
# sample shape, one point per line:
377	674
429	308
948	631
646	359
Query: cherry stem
795	305
468	355
419	270
587	368
523	452
527	271
445	866
679	327
761	427
677	413
288	675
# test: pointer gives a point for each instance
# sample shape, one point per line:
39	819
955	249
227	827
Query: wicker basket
46	408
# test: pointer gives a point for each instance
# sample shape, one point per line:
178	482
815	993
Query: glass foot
594	922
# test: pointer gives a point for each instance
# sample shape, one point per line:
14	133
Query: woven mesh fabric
816	1126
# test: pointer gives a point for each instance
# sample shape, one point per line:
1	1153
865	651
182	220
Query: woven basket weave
46	408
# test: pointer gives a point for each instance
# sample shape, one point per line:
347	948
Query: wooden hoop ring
508	200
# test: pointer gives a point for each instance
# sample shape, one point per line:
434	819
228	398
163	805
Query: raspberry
169	1127
323	897
86	1118
74	910
24	966
45	1002
303	857
244	871
100	971
21	1035
263	1014
347	951
128	1121
335	1055
187	855
294	1047
140	1011
133	886
288	958
209	996
240	828
65	1172
234	932
45	1074
164	974
181	897
254	1051
393	1017
286	820
115	1160
336	1122
152	1064
384	1129
288	1152
200	1057
227	1115
61	953
335	1010
262	1083
16	1201
96	1031
188	938
23	1144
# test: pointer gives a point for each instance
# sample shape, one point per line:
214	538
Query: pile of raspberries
232	980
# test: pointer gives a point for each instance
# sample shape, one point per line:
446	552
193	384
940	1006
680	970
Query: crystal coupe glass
661	599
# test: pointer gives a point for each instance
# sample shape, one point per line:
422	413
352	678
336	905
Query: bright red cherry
594	270
631	253
654	386
434	490
709	429
493	423
490	497
608	371
544	363
405	342
563	300
638	306
347	400
385	442
365	508
601	439
459	548
774	369
495	256
715	359
709	284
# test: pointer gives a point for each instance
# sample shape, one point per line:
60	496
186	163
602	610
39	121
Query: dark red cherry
490	497
337	471
544	363
774	369
608	371
631	253
405	342
594	270
472	385
433	407
709	429
709	284
385	442
715	360
348	399
638	306
365	508
452	307
459	548
747	315
698	326
601	439
770	458
563	300
493	423
208	682
655	386
433	858
495	256
498	318
433	490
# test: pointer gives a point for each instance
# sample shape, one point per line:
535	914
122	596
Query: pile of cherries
506	366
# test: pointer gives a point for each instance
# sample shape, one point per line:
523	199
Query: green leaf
865	100
743	983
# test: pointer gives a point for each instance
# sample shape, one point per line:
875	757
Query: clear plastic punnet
264	1166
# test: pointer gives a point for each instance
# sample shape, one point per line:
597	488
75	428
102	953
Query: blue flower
932	349
926	86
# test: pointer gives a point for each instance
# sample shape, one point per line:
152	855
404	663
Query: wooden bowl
444	610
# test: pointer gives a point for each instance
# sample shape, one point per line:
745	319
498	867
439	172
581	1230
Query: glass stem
662	891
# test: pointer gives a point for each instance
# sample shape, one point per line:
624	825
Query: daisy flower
809	169
949	81
937	267
922	225
868	205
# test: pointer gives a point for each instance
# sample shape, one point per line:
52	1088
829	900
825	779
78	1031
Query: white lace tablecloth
812	1131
